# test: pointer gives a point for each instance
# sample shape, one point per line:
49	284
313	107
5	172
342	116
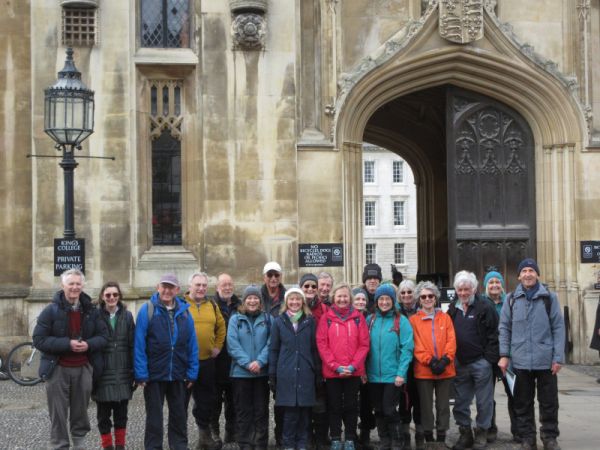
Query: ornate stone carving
461	21
248	31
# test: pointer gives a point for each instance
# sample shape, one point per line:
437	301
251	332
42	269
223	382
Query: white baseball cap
272	265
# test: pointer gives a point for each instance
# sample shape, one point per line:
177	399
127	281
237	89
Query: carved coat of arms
461	21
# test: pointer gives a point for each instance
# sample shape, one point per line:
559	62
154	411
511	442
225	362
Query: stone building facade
248	117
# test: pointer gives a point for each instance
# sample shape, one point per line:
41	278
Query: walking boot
429	436
397	436
550	444
364	439
336	444
492	434
480	439
120	434
106	441
406	435
215	433
385	439
349	445
465	439
205	440
419	441
440	436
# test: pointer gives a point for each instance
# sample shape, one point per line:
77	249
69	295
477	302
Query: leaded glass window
165	131
165	23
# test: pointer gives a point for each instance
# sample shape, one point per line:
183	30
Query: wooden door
491	185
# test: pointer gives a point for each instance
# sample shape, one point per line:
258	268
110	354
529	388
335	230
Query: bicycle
23	363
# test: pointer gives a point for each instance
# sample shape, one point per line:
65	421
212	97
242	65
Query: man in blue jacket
532	339
165	362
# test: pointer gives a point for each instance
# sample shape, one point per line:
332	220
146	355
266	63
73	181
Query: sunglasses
273	274
111	294
309	286
426	296
406	292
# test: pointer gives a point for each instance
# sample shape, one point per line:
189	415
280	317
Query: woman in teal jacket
248	339
389	357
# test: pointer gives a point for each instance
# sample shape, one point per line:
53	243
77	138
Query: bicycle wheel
23	364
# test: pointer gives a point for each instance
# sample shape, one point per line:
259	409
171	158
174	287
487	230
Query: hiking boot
551	444
440	436
465	440
492	435
429	436
336	445
349	445
397	436
526	445
419	441
205	440
480	439
364	439
215	434
385	438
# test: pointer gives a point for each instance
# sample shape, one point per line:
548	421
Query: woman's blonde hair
295	291
339	286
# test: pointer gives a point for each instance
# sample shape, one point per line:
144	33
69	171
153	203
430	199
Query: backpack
395	328
547	304
150	309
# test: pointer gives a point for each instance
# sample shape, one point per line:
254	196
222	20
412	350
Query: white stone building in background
389	212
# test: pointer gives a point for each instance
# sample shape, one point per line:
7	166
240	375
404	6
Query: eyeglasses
406	292
273	274
309	286
111	294
426	296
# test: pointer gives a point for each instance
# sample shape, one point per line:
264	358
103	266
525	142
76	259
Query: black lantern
69	120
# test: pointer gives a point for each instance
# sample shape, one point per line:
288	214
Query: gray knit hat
251	290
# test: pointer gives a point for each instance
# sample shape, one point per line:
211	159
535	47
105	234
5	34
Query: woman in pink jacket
343	343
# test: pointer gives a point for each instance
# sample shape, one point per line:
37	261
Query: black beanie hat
306	277
528	262
372	271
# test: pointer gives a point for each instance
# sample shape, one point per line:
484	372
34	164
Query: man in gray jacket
532	337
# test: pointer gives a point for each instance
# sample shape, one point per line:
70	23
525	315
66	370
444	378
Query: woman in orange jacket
435	347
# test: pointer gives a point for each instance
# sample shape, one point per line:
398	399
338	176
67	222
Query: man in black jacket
228	302
477	354
71	337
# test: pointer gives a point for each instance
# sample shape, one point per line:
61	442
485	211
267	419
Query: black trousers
367	418
296	420
204	392
410	405
224	402
251	399
511	410
104	411
385	398
319	416
155	393
547	395
342	401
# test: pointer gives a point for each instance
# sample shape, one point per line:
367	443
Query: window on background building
370	253
79	26
398	253
165	131
165	23
370	214
399	213
398	169
369	175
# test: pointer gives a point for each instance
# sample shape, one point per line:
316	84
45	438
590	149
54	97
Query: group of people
328	354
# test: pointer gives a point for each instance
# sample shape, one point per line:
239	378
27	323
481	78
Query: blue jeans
474	380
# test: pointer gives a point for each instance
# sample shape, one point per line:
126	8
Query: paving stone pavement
24	423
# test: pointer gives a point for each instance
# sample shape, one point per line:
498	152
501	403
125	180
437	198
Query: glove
439	367
340	369
273	383
433	365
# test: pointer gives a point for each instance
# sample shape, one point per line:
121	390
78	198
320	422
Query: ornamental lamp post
68	120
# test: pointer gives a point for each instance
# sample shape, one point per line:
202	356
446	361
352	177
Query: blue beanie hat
493	274
385	289
528	262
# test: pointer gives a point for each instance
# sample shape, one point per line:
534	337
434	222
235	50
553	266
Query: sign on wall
590	251
321	255
68	254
